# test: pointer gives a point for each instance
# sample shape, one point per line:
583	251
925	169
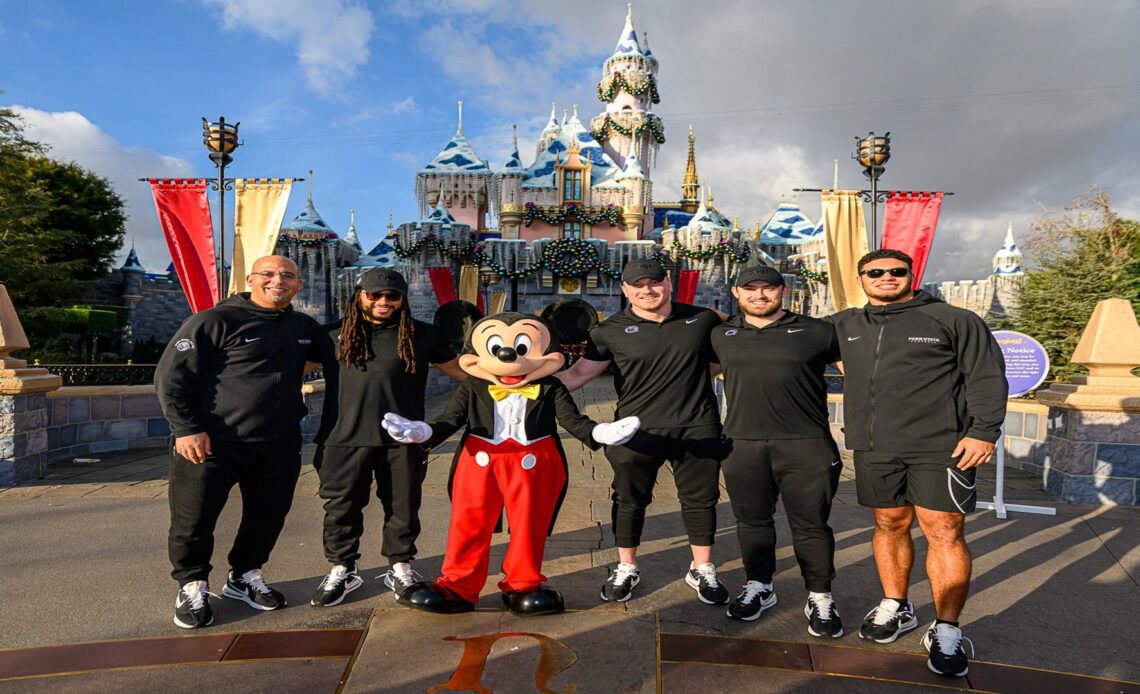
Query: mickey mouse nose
506	354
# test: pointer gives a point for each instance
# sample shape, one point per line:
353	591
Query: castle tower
550	133
633	177
1008	276
351	238
510	194
1007	261
628	88
691	184
460	178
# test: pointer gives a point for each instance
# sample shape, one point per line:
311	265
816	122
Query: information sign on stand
1026	365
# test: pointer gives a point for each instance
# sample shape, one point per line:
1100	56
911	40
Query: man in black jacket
924	399
229	383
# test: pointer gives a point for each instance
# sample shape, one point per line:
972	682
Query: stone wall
93	419
23	442
1092	457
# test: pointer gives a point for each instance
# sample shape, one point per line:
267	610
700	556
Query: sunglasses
390	296
878	272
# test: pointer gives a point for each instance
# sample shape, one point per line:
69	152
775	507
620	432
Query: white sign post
1026	364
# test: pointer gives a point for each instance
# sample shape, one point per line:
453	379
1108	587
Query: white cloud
331	37
405	105
74	138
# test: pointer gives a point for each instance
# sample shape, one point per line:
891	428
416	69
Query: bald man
229	383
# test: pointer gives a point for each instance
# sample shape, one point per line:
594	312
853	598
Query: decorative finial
629	11
563	116
390	227
459	130
575	111
835	177
736	223
553	110
310	186
352	218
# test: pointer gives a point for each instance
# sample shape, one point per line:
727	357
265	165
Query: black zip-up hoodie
235	371
918	377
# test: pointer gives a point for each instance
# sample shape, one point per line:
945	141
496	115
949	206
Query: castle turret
460	178
633	177
351	238
628	88
550	132
691	184
1007	261
510	194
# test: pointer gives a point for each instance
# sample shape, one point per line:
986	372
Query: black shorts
927	480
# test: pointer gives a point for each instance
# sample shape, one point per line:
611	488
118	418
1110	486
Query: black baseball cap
642	268
760	273
380	278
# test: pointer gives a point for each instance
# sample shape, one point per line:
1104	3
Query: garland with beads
611	213
810	276
723	248
450	249
617	83
652	122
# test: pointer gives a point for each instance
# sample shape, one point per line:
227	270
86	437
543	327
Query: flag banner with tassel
469	287
258	213
442	284
184	215
687	285
909	224
845	232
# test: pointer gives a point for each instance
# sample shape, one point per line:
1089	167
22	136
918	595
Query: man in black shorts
375	361
779	443
662	353
924	399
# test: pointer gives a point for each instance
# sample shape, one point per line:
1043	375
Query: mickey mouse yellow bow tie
499	392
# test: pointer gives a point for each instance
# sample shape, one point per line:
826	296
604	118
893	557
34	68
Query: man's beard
770	309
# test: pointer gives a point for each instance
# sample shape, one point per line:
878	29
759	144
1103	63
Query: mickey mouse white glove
616	433
405	430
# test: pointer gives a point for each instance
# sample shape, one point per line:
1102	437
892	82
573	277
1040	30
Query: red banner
442	283
687	285
909	224
184	213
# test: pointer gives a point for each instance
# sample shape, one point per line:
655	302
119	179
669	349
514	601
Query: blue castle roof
457	156
540	174
788	225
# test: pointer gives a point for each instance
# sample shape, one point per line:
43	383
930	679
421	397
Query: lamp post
486	274
220	139
873	153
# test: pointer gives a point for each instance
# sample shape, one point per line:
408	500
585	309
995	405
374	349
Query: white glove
616	433
405	430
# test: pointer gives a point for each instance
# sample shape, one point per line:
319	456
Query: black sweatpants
806	473
346	475
695	453
266	473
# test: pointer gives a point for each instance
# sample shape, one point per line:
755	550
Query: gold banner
469	284
258	214
846	235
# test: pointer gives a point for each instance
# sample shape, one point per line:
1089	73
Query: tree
60	224
1078	256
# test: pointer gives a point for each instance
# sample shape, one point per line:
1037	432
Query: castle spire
459	129
691	183
310	187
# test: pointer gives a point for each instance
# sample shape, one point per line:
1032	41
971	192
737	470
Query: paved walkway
85	601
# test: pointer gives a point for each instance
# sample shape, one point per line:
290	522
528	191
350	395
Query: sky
1012	105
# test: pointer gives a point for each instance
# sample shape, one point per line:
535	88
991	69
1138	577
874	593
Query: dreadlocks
354	346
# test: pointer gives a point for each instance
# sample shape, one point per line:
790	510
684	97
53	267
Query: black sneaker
709	589
947	657
401	577
341	581
889	620
752	601
619	586
192	606
822	616
251	589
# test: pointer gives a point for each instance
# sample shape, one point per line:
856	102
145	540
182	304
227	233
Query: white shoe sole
633	583
192	626
228	592
755	616
349	586
903	628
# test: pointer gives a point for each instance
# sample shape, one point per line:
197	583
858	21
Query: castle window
571	230
572	185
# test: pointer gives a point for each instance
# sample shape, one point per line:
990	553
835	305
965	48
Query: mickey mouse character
510	455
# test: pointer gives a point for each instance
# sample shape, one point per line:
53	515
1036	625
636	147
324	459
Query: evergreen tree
1078	256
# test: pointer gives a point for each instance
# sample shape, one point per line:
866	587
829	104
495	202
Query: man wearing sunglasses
375	361
229	383
924	398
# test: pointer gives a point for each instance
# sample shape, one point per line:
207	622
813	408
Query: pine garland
723	248
587	215
810	276
616	83
652	122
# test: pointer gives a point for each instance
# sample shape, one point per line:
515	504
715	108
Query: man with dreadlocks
375	361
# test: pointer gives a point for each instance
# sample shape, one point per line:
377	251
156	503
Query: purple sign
1026	362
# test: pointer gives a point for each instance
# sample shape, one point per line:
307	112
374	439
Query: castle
559	230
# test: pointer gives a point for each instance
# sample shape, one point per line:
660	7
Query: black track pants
346	475
265	472
806	473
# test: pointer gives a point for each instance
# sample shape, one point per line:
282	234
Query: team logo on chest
184	345
730	333
632	329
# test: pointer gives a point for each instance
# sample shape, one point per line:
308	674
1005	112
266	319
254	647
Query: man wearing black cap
661	351
375	360
779	443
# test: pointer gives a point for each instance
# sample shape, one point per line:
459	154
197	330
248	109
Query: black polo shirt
356	397
662	369
773	376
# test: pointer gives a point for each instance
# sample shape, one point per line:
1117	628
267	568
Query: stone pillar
23	406
632	217
1092	452
510	220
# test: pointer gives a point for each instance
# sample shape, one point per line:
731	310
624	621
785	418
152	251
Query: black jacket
918	377
235	371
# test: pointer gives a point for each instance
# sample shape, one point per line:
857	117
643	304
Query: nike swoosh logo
252	339
692	320
797	331
853	338
838	462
